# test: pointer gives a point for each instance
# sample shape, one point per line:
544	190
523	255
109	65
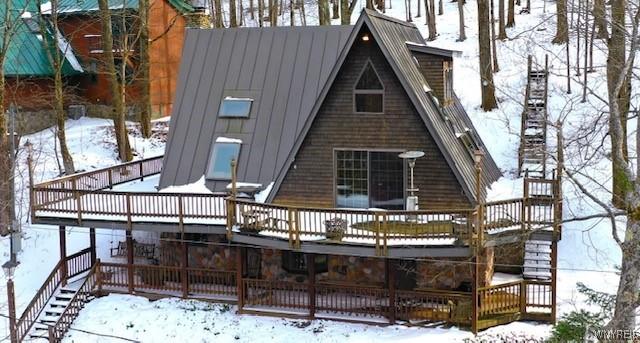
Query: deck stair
533	134
537	260
58	303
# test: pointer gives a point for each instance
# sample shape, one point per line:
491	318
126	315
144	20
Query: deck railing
352	300
531	298
85	196
71	266
57	331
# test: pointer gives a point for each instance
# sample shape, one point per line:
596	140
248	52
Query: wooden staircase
60	303
533	132
537	260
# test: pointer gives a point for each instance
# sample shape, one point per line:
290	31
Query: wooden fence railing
57	331
275	294
352	300
532	298
73	265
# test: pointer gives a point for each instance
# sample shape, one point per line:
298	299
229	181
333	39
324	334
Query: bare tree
144	68
323	12
430	18
346	8
502	32
273	12
600	17
463	36
562	30
494	52
56	52
117	87
335	9
486	73
233	17
511	17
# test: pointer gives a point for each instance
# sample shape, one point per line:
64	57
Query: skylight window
222	153
235	107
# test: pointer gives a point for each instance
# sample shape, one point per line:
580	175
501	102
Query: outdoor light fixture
9	268
365	37
411	157
478	155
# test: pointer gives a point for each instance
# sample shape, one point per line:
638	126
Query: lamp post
477	158
9	268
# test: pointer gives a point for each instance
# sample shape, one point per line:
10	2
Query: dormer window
447	74
368	92
235	107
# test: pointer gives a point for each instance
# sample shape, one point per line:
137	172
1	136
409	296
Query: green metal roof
26	54
86	6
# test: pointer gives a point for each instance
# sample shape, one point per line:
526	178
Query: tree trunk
260	12
600	17
440	7
336	9
511	15
345	13
562	31
143	43
494	53
219	22
251	10
624	317
432	19
407	6
486	74
418	14
615	65
233	17
273	12
463	35
118	105
55	56
502	32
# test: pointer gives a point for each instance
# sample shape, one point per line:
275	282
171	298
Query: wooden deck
86	199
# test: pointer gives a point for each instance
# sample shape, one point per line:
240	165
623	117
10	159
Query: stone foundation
448	273
509	258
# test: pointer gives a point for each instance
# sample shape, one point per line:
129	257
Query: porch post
240	252
130	270
311	268
63	253
184	265
474	293
390	271
92	245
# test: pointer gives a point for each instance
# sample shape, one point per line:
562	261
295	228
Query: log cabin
290	184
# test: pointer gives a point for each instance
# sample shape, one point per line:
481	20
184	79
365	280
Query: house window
369	179
296	263
220	162
235	107
447	69
368	92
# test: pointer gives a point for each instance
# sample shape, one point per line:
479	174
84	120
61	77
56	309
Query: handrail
46	291
121	166
57	331
38	302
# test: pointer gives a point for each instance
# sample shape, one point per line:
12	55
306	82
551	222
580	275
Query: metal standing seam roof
282	68
288	71
26	55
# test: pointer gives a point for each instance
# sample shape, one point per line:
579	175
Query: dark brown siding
431	68
310	180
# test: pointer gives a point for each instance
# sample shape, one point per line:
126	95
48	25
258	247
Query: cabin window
220	162
447	70
235	107
369	92
296	263
369	179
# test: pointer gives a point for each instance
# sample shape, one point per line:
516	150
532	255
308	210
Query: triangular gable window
368	92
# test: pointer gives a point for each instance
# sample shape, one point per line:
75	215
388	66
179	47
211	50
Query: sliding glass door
366	179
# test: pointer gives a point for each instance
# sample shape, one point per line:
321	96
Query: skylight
235	107
222	153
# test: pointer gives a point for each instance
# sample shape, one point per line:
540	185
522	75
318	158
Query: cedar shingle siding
310	180
431	69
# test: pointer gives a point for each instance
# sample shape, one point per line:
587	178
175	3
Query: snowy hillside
586	252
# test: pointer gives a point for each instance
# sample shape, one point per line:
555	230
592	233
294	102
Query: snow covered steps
537	260
53	310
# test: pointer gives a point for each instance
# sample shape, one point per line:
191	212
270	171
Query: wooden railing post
92	245
376	219
130	267
110	174
554	275
390	269
231	220
63	254
141	173
99	276
291	227
77	196
523	297
184	265
239	272
311	268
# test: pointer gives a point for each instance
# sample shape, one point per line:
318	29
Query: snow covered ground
586	252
